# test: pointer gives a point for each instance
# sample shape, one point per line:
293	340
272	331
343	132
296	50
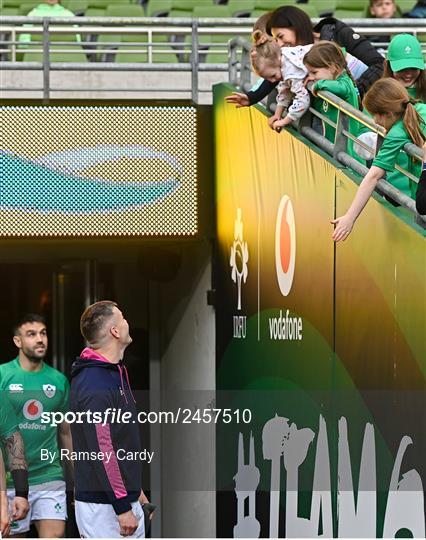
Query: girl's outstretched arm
345	223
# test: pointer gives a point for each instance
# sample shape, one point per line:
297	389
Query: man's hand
20	508
128	523
239	99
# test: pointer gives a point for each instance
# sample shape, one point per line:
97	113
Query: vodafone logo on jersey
285	245
32	409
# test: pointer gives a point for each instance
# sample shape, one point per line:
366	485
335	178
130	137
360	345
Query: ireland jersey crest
49	390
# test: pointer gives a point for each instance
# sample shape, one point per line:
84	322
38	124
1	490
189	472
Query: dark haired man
34	387
108	503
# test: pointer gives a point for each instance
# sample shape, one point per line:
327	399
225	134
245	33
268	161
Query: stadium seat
26	7
240	8
9	11
212	54
406	5
78	7
271	5
77	55
309	9
125	10
94	12
123	57
349	14
159	54
180	13
159	8
10	3
324	7
104	4
354	5
189	5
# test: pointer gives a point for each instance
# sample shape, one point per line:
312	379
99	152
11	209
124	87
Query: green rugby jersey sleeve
337	87
388	153
8	420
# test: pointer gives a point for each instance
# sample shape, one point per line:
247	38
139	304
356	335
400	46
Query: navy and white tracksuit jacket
96	385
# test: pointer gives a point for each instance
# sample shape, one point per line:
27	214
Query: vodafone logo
32	409
285	245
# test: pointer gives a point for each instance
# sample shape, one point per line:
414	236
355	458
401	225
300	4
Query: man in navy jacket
108	490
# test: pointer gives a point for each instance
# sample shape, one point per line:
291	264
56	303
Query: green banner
324	344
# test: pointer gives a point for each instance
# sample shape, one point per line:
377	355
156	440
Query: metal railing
338	150
185	39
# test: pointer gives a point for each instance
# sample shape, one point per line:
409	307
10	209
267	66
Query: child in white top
285	64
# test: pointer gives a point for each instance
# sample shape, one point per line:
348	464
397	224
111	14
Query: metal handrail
338	150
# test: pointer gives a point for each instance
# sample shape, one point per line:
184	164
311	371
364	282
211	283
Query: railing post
232	63
46	61
194	62
340	141
245	68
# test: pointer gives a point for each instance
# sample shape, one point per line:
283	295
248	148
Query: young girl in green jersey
327	68
405	121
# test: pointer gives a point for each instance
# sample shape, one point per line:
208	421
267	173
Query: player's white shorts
47	501
96	520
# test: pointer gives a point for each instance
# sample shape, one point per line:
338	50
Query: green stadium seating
104	4
349	14
77	55
189	5
27	7
76	6
157	56
10	3
125	10
240	8
180	13
215	11
9	11
158	8
406	5
129	57
271	5
94	12
354	5
309	9
324	7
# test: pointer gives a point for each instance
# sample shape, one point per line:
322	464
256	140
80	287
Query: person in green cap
405	63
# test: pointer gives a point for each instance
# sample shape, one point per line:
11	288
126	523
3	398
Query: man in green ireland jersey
34	387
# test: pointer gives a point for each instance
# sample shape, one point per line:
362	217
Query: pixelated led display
98	171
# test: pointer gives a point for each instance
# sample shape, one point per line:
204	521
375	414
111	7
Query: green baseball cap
405	52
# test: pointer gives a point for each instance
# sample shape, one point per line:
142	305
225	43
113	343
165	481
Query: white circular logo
32	409
285	245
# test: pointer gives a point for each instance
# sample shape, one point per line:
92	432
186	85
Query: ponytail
389	96
412	123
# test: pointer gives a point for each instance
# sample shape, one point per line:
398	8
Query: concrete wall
99	85
187	378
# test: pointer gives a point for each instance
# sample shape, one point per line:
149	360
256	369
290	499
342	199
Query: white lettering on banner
240	326
282	440
286	327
